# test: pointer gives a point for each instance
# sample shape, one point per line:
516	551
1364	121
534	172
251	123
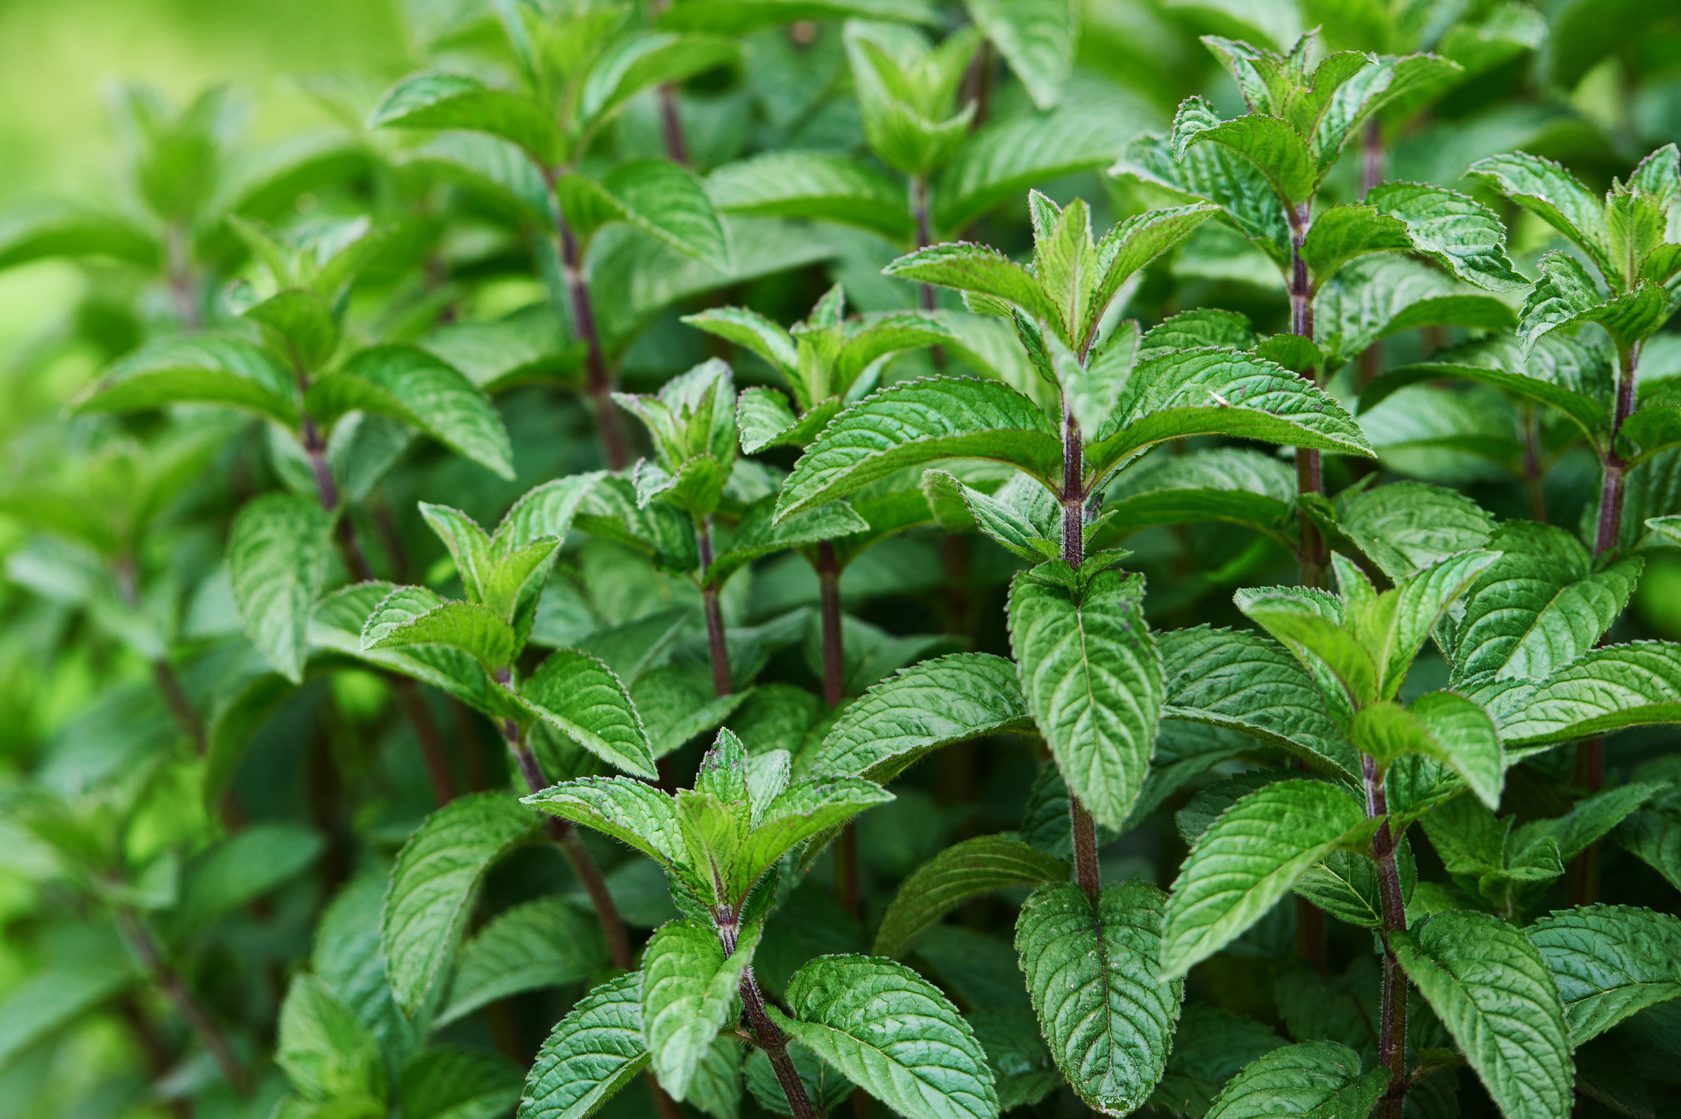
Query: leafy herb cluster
1235	461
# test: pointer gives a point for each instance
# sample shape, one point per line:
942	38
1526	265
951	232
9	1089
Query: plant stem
715	635
615	446
1371	174
1309	476
175	989
1533	483
671	125
153	1049
408	694
183	288
163	673
1392	1025
566	836
834	694
766	1035
1590	755
1073	498
924	231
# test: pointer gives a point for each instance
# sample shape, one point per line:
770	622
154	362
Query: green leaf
1314	1080
1342	233
1566	297
1244	682
1036	37
1494	993
1420	601
747	15
1177	394
593	1052
582	698
1091	972
893	1034
277	566
801	812
621	808
822	186
455	101
1604	690
1457	232
432	886
661	199
1610	962
1377	296
1311	624
444	1082
415	388
640	60
243	867
549	942
1005	157
1448	727
917	422
58	230
1560	372
1212	1046
1249	859
918	709
962	871
195	369
324	1050
1236	484
1015	517
1267	142
417	616
59	994
977	270
337	626
1538	607
1405	527
760	534
1093	680
688	991
1546	189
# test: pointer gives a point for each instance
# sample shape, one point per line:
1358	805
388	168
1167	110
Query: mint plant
483	578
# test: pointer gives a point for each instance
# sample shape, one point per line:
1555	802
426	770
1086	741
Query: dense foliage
480	579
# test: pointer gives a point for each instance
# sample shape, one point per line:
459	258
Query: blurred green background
60	58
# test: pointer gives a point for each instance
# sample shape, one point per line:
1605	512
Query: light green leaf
1448	727
1244	682
446	1082
688	990
936	703
433	883
457	102
1310	623
1546	189
592	1053
324	1050
195	369
642	59
801	812
759	534
337	625
1177	394
621	808
748	15
415	388
1093	680
1455	231
977	270
893	1034
1566	297
1236	484
277	566
917	422
416	616
1538	607
1313	1080
58	994
1249	859
1010	516
1036	37
1604	690
823	186
962	871
1494	993
661	199
1005	157
1267	142
582	698
548	942
1610	962
1419	603
58	230
1091	972
1342	233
